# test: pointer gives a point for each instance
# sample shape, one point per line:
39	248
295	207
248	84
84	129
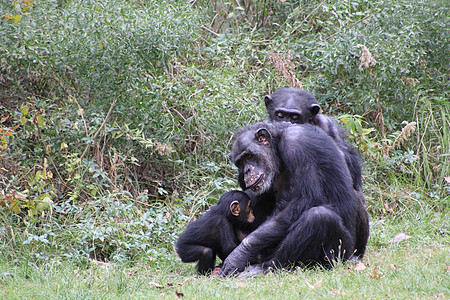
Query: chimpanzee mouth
255	186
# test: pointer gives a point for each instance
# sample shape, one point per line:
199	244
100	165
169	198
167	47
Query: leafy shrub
117	116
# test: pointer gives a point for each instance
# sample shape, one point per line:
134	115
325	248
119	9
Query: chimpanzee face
291	105
240	208
253	155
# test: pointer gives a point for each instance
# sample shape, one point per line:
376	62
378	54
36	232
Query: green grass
416	268
183	76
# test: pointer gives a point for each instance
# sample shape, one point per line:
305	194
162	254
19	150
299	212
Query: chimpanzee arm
228	239
269	233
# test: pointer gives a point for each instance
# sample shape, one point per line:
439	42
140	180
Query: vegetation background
116	118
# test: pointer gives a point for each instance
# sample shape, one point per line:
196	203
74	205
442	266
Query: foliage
117	116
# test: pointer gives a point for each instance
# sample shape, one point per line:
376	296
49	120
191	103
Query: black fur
317	208
217	232
300	107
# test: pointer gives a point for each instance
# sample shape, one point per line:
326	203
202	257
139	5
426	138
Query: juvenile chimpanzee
316	206
217	232
300	107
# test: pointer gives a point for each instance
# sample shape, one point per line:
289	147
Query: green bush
117	116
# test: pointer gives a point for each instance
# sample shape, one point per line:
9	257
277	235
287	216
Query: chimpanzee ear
263	137
314	109
234	208
267	100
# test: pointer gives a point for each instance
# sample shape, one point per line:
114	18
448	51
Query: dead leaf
170	284
337	292
101	264
179	295
399	237
375	274
156	285
359	267
215	272
315	285
393	267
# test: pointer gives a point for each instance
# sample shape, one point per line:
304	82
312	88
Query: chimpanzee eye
295	117
280	115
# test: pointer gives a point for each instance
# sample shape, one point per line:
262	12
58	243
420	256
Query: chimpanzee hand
236	261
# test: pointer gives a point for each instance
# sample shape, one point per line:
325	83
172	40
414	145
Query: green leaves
20	9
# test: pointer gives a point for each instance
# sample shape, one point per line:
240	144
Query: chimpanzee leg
206	261
318	236
205	256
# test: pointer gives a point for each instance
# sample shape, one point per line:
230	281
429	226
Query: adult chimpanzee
316	206
217	232
300	107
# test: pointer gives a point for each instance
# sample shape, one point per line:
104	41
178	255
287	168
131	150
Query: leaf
44	204
20	196
315	285
23	120
359	267
38	176
156	285
15	208
215	272
375	274
399	237
4	119
393	267
40	120
8	17
24	109
179	295
337	292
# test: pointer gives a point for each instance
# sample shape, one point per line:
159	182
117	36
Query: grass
121	187
415	268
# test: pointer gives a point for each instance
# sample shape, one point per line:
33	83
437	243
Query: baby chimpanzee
217	232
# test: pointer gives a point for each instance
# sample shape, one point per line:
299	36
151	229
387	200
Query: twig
100	128
108	115
314	10
207	29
